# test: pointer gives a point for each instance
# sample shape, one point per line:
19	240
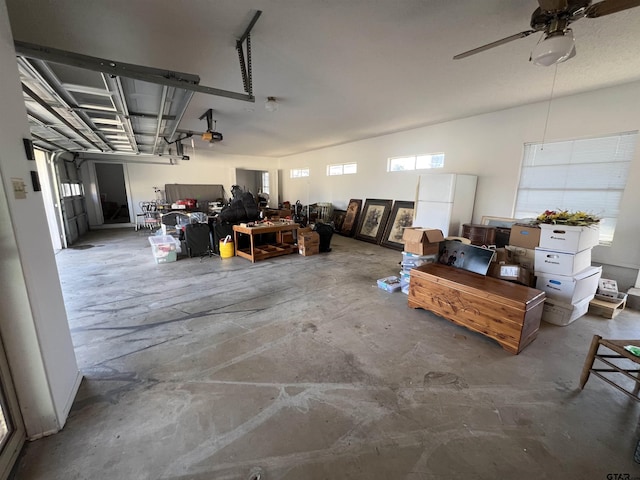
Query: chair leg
588	363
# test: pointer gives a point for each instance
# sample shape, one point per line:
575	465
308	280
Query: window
415	162
342	169
578	175
299	172
265	182
71	189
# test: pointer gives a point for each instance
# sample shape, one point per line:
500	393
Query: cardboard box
562	314
422	241
287	237
570	289
511	272
561	263
389	284
609	308
566	238
502	255
525	236
304	230
608	288
308	250
308	239
523	256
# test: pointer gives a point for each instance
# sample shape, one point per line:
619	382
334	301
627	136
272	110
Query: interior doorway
112	193
258	182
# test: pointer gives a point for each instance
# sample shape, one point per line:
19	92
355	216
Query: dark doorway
113	193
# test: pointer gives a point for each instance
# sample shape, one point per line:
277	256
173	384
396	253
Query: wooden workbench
261	252
506	312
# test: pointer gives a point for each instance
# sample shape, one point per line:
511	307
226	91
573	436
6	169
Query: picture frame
400	218
351	218
373	220
337	217
472	258
501	222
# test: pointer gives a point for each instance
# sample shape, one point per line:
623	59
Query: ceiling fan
553	17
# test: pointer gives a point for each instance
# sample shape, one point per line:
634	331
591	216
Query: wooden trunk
506	312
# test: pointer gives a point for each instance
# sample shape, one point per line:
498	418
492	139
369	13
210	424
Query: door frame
92	194
17	436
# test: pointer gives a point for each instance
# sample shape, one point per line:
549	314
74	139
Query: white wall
144	173
489	146
33	320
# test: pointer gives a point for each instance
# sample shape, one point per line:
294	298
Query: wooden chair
614	351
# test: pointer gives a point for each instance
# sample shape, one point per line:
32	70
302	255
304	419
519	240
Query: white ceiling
341	70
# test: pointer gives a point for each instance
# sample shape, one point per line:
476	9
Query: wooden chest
506	312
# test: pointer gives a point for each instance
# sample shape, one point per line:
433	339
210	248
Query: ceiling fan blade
607	7
553	5
497	43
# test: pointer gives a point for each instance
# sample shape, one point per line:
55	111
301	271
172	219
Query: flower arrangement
565	217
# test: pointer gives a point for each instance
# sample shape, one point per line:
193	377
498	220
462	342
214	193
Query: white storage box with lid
165	248
390	284
570	289
561	263
567	238
562	314
412	260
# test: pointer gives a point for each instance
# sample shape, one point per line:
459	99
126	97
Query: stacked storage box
409	261
421	245
523	240
308	243
563	270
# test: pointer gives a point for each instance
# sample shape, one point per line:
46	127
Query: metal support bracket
245	61
146	74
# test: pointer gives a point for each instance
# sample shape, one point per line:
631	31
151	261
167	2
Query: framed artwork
373	220
337	217
400	218
499	221
467	257
351	218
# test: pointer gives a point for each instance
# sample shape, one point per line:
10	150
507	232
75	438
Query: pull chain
546	121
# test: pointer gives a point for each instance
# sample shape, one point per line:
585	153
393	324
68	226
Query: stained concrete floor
203	370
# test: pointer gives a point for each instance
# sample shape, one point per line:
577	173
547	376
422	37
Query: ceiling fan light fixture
271	104
554	49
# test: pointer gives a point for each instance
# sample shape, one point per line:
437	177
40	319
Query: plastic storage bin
412	260
165	248
390	284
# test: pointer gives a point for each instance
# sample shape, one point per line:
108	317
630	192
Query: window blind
587	175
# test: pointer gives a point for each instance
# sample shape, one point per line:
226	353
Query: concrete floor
203	370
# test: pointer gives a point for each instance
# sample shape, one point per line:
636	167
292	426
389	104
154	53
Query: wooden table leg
588	363
253	258
235	242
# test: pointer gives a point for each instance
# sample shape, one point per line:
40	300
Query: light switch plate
19	188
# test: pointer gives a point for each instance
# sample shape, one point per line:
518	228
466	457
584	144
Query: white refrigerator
444	201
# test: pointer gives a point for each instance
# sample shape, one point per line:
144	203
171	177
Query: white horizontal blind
587	175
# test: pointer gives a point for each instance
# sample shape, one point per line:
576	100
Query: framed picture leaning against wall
351	218
373	220
400	218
